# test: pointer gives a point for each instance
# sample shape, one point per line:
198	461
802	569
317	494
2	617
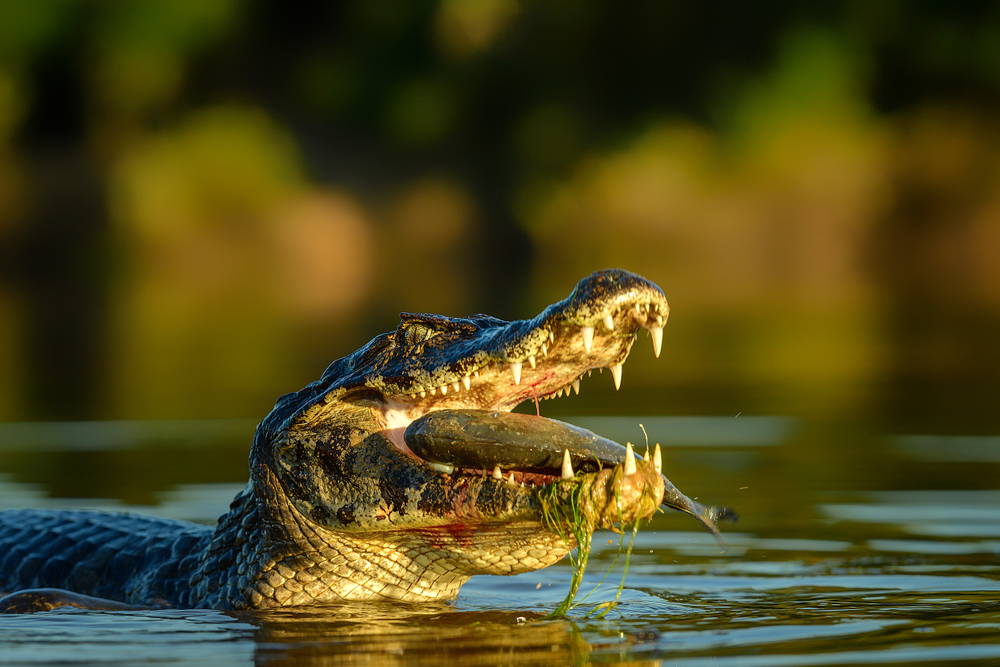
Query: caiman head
347	495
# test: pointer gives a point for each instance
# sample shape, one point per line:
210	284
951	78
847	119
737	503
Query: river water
853	548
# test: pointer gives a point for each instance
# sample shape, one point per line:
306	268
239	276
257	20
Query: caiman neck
279	558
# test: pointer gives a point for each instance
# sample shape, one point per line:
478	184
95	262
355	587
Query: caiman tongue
483	439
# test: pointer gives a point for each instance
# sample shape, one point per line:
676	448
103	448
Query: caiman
339	507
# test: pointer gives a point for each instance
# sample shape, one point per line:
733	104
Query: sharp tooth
433	390
454	385
446	468
515	370
609	323
657	335
589	371
659	320
616	370
552	336
511	478
576	386
466	381
657	459
531	360
413	395
496	473
444	389
477	372
638	309
567	467
423	394
645	454
545	350
629	459
588	337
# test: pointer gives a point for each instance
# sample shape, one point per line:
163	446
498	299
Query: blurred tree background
203	202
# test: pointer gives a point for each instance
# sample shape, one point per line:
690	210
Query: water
852	549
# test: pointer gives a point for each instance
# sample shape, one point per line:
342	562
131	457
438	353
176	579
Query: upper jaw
506	364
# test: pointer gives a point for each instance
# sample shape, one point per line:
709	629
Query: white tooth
511	478
454	385
567	467
446	468
657	459
477	372
423	394
444	389
657	334
589	371
659	320
496	473
638	309
413	395
588	337
515	370
645	454
629	459
466	381
576	386
616	370
531	360
552	336
433	390
545	350
609	323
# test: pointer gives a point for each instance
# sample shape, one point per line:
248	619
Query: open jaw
411	442
547	361
460	414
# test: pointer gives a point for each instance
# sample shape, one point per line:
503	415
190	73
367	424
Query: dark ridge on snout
485	438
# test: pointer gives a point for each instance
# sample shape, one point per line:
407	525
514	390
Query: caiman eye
364	396
415	333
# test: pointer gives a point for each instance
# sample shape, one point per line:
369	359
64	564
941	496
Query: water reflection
396	635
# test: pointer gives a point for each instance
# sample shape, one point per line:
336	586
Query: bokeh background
204	202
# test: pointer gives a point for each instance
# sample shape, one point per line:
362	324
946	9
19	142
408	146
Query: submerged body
340	507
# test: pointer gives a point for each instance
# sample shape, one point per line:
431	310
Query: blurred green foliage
203	202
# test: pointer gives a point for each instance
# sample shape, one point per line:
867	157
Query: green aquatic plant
574	508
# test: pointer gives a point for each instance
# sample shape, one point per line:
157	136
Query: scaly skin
337	507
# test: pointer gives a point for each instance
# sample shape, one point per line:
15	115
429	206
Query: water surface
851	550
